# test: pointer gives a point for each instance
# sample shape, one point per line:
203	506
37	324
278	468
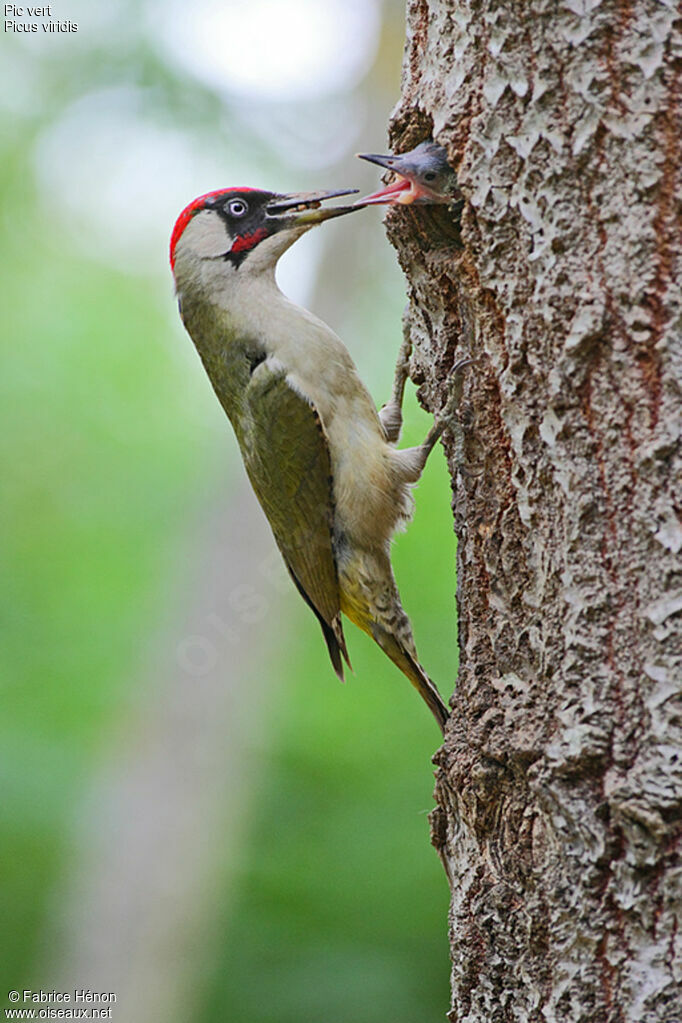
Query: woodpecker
319	456
422	176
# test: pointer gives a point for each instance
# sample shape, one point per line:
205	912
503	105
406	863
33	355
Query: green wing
286	455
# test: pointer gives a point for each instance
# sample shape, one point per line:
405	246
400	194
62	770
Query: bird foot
455	384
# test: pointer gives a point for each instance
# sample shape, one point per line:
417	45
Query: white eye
237	207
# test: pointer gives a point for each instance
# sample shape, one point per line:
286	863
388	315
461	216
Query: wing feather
286	454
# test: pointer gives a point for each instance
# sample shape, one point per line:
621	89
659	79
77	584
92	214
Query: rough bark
560	781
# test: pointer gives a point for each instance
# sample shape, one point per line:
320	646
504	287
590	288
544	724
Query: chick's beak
402	191
305	209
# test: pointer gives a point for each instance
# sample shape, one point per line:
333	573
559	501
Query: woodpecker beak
304	208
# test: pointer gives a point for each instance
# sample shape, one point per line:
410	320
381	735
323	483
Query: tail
380	614
411	667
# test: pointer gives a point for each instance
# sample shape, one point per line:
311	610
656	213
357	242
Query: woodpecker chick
422	176
319	456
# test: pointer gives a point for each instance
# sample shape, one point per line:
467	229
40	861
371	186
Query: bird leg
413	460
391	415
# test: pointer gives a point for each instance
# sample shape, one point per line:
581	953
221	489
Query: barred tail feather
411	667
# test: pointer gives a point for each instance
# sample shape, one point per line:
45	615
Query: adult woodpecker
319	456
422	176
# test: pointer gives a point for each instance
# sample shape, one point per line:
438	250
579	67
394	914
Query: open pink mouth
399	191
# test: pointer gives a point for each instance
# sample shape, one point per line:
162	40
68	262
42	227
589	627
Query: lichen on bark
560	781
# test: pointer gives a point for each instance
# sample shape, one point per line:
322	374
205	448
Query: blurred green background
196	815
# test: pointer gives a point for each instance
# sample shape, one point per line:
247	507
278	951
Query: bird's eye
237	207
430	176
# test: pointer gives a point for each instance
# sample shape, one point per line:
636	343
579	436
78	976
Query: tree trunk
560	782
